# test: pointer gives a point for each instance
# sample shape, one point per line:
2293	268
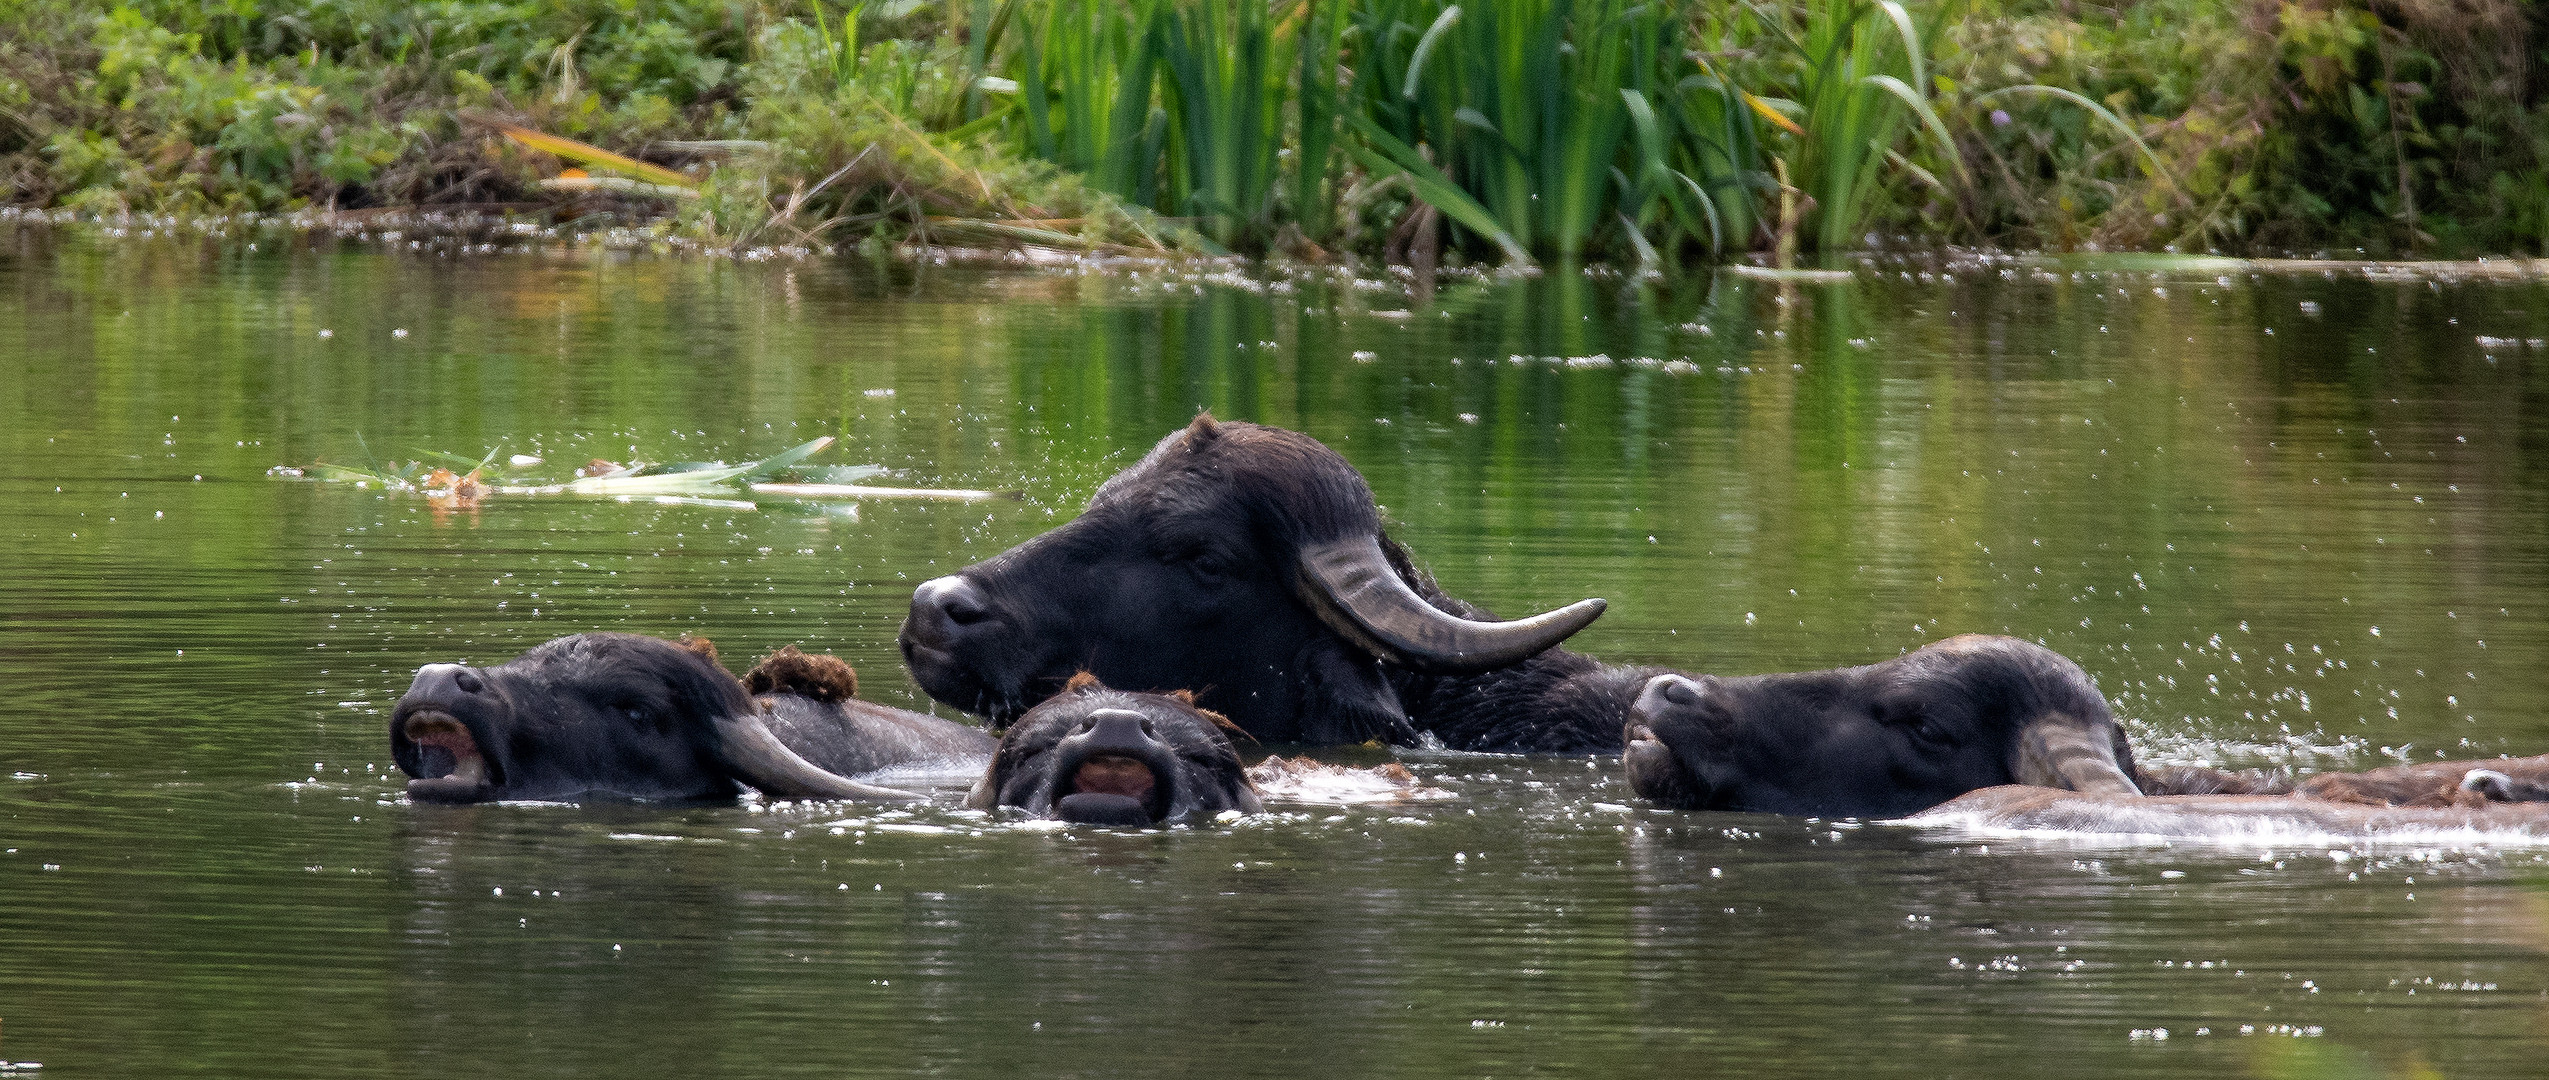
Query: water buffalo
1883	740
1248	564
625	716
1993	730
1106	757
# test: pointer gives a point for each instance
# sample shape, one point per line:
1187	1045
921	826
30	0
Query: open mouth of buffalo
450	767
1112	787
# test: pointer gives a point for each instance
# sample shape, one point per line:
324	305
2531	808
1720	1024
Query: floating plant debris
453	481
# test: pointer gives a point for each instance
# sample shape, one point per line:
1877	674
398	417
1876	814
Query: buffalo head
1883	740
1244	561
1105	757
600	714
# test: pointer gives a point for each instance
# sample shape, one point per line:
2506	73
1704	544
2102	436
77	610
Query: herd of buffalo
1237	581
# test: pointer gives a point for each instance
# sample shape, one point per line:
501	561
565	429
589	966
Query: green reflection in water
2209	493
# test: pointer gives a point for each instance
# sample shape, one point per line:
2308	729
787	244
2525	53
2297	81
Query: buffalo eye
1201	561
1916	722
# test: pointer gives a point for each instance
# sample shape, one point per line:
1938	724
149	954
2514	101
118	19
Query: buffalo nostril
959	600
1681	691
1118	727
468	683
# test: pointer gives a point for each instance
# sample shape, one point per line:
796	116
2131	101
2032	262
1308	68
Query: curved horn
2058	750
1352	589
758	758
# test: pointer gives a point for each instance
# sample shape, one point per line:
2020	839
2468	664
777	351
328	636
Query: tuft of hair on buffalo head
819	676
1203	431
698	644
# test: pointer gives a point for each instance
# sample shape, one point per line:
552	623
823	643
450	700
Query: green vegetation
1652	133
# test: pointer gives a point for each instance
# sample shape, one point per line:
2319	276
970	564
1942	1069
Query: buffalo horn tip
1350	585
757	757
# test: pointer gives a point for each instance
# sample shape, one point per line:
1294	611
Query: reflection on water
2280	521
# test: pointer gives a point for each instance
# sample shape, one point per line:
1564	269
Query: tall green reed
1186	105
1561	122
1864	86
1086	71
1229	69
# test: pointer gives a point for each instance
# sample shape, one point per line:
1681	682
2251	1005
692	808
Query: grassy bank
1417	131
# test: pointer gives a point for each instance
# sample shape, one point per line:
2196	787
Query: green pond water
2283	521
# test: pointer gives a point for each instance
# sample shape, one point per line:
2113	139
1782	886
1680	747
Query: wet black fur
1883	740
1179	575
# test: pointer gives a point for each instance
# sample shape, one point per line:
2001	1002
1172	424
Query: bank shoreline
494	231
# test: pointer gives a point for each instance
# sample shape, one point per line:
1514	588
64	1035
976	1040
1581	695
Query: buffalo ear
1203	431
2058	750
1233	729
984	796
1343	697
700	645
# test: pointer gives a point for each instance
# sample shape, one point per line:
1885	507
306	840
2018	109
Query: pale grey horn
758	758
1352	589
2058	750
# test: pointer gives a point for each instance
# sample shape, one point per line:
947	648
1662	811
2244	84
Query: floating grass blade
867	491
694	480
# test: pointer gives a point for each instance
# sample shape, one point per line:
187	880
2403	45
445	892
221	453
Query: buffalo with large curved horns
1248	564
625	716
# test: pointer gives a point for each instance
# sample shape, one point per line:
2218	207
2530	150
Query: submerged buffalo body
625	716
2506	795
1878	741
1247	564
1108	757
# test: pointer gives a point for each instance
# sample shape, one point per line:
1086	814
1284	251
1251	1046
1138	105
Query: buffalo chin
1654	773
940	676
1102	808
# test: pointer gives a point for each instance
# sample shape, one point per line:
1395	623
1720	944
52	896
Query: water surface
2282	521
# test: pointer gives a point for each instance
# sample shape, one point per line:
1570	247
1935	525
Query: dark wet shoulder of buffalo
808	703
1106	757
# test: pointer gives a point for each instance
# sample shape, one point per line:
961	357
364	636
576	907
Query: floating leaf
588	154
